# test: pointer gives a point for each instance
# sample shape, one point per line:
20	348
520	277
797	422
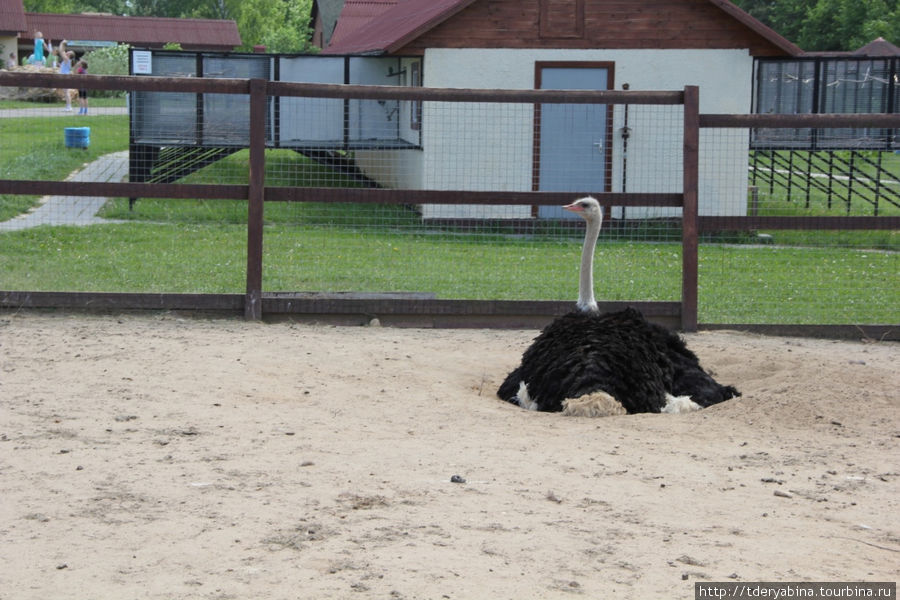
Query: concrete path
75	210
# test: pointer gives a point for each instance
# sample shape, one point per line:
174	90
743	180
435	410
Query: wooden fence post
690	219
256	196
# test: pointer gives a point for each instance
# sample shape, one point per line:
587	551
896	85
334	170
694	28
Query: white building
559	44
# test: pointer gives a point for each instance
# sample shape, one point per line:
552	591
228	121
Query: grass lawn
21	158
92	101
199	246
737	283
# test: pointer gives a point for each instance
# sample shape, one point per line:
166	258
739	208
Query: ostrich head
588	209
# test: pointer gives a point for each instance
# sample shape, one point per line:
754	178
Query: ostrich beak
574	207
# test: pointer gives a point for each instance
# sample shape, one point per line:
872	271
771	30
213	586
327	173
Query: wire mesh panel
96	243
46	141
433	195
827	85
474	251
794	274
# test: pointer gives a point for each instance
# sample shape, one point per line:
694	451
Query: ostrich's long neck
586	301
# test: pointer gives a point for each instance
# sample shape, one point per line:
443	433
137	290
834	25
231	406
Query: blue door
573	150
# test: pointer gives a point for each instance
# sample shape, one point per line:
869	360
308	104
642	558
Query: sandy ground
166	457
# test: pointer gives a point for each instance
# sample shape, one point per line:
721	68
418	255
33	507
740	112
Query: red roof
192	34
385	26
878	47
12	17
356	14
757	26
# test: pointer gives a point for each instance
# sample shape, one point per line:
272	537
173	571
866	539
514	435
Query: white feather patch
523	399
679	404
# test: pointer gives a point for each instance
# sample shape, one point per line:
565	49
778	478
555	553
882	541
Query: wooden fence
255	304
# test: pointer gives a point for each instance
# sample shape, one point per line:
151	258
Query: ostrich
591	364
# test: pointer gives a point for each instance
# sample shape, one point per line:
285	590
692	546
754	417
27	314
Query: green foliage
112	60
280	26
822	25
51	6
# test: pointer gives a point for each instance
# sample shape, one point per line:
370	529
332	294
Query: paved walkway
75	210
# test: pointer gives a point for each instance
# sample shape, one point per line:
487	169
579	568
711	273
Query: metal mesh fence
506	252
805	275
827	85
489	251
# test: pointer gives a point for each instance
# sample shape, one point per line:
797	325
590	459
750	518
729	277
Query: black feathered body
620	353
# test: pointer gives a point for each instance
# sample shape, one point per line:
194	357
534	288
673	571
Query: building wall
491	148
587	24
8	44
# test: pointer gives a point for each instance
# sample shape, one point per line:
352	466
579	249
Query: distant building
554	44
89	31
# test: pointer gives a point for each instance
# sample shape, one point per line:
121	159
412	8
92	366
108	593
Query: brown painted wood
256	199
123	190
690	226
398	196
320	90
561	19
323	90
230	303
823	121
713	224
359	195
128	83
615	24
342	308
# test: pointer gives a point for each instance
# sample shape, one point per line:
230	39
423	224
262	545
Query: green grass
21	158
798	285
125	258
199	246
793	203
92	101
737	283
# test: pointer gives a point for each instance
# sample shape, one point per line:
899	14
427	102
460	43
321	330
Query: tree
280	25
156	8
62	7
821	25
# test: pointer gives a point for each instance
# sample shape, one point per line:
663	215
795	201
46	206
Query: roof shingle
378	26
12	17
205	34
384	26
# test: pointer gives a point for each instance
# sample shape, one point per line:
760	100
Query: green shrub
112	60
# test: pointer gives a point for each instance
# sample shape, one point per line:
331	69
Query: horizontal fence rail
685	203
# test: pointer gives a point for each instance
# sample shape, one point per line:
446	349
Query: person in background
65	68
39	46
81	69
11	61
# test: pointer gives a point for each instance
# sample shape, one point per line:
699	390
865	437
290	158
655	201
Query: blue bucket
77	137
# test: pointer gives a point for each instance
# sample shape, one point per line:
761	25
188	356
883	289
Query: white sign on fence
142	62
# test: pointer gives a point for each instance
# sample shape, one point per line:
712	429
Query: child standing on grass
81	69
65	68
